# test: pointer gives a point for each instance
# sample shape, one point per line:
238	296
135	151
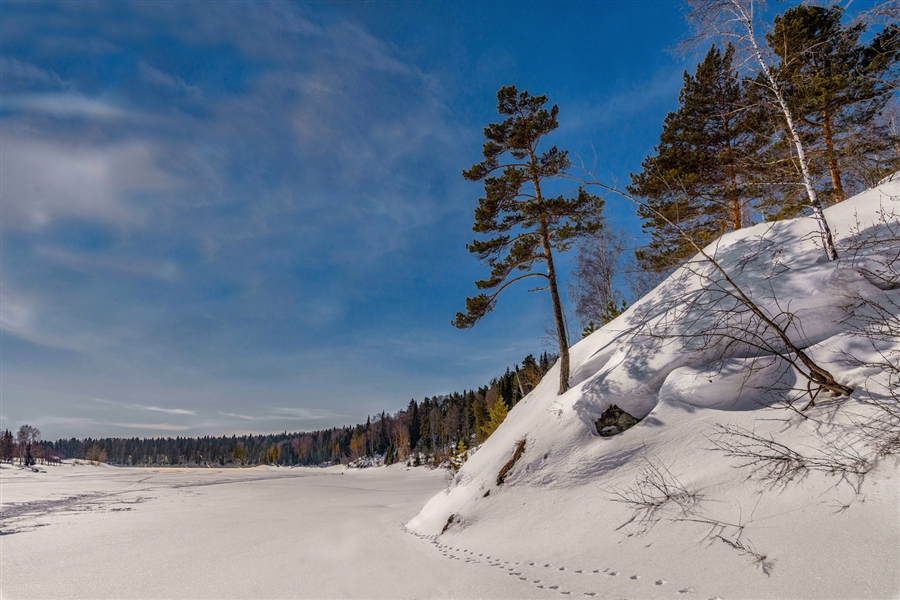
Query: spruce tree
29	458
525	223
481	418
7	446
837	87
414	427
700	178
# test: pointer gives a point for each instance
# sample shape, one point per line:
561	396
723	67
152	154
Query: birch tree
736	21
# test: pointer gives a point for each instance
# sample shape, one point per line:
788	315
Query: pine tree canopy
699	182
837	87
524	224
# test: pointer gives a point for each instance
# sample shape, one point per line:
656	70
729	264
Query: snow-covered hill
666	508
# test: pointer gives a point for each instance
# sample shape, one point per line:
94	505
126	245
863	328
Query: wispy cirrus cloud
67	105
168	82
661	87
45	180
20	75
32	317
218	210
170	411
162	270
287	414
152	426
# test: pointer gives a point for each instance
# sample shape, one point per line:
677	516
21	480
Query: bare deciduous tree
25	437
593	288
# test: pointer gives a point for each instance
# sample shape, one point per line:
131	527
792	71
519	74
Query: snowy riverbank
82	531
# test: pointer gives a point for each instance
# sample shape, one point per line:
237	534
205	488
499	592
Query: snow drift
655	508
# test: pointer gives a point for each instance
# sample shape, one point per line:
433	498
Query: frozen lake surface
81	531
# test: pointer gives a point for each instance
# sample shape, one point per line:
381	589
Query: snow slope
566	517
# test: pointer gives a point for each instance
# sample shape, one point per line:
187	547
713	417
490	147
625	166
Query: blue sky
226	217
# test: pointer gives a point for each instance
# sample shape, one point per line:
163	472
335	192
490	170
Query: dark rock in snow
613	421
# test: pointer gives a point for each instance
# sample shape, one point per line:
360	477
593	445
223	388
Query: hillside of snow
694	501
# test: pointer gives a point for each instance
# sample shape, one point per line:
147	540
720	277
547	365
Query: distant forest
427	431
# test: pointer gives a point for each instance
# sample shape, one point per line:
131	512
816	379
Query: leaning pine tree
525	224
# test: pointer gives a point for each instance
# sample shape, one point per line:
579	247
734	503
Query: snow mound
688	360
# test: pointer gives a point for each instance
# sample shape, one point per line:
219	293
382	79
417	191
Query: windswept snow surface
83	531
725	531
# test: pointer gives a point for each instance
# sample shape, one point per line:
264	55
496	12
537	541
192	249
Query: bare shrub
723	319
746	549
95	454
720	320
656	489
777	464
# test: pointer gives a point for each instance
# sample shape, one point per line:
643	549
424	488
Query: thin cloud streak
287	414
67	105
171	411
152	426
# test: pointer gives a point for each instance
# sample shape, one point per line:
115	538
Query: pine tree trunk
558	316
832	161
734	203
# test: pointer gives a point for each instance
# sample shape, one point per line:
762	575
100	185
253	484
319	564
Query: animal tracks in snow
582	582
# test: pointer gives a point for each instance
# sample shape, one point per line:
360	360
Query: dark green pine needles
699	182
838	86
523	223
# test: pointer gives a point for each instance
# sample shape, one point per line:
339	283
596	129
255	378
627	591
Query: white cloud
662	86
237	416
164	80
287	414
16	318
67	105
170	411
45	180
353	43
15	72
34	320
164	270
69	422
152	426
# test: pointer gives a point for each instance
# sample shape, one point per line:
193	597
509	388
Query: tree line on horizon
426	432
